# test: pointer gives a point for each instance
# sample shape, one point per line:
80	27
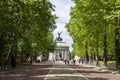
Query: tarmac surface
56	71
60	71
37	71
93	73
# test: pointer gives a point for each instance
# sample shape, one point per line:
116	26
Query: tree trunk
117	49
105	49
87	56
97	61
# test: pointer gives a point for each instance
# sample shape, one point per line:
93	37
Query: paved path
92	73
60	71
56	71
37	71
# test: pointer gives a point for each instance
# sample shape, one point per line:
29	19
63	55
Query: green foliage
89	19
26	26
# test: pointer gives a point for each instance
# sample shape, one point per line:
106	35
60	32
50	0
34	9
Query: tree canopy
26	26
92	24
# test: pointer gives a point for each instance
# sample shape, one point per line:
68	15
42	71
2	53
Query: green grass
111	63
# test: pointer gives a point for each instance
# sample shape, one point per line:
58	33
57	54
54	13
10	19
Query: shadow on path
94	74
37	71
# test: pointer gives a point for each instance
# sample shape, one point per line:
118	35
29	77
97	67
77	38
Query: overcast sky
62	10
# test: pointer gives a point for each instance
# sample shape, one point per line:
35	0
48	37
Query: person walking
74	61
68	61
13	62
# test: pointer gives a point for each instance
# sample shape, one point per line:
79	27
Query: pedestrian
13	62
68	61
74	61
82	60
65	61
79	61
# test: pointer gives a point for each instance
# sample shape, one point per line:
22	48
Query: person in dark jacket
74	61
13	62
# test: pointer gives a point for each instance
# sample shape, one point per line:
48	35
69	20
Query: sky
62	10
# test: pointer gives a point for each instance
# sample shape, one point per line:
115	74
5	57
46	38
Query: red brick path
93	74
37	71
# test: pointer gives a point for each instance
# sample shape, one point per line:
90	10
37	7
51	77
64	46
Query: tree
25	26
92	24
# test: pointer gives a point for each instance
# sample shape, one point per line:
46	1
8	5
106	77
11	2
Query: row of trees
94	27
25	27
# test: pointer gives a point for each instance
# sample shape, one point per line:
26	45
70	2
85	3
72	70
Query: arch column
54	56
62	54
65	54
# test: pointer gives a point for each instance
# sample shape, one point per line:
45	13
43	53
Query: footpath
57	71
37	71
95	73
60	71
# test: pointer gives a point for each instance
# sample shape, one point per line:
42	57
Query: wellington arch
61	51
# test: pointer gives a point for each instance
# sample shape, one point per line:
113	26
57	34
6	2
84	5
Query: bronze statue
59	38
59	33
